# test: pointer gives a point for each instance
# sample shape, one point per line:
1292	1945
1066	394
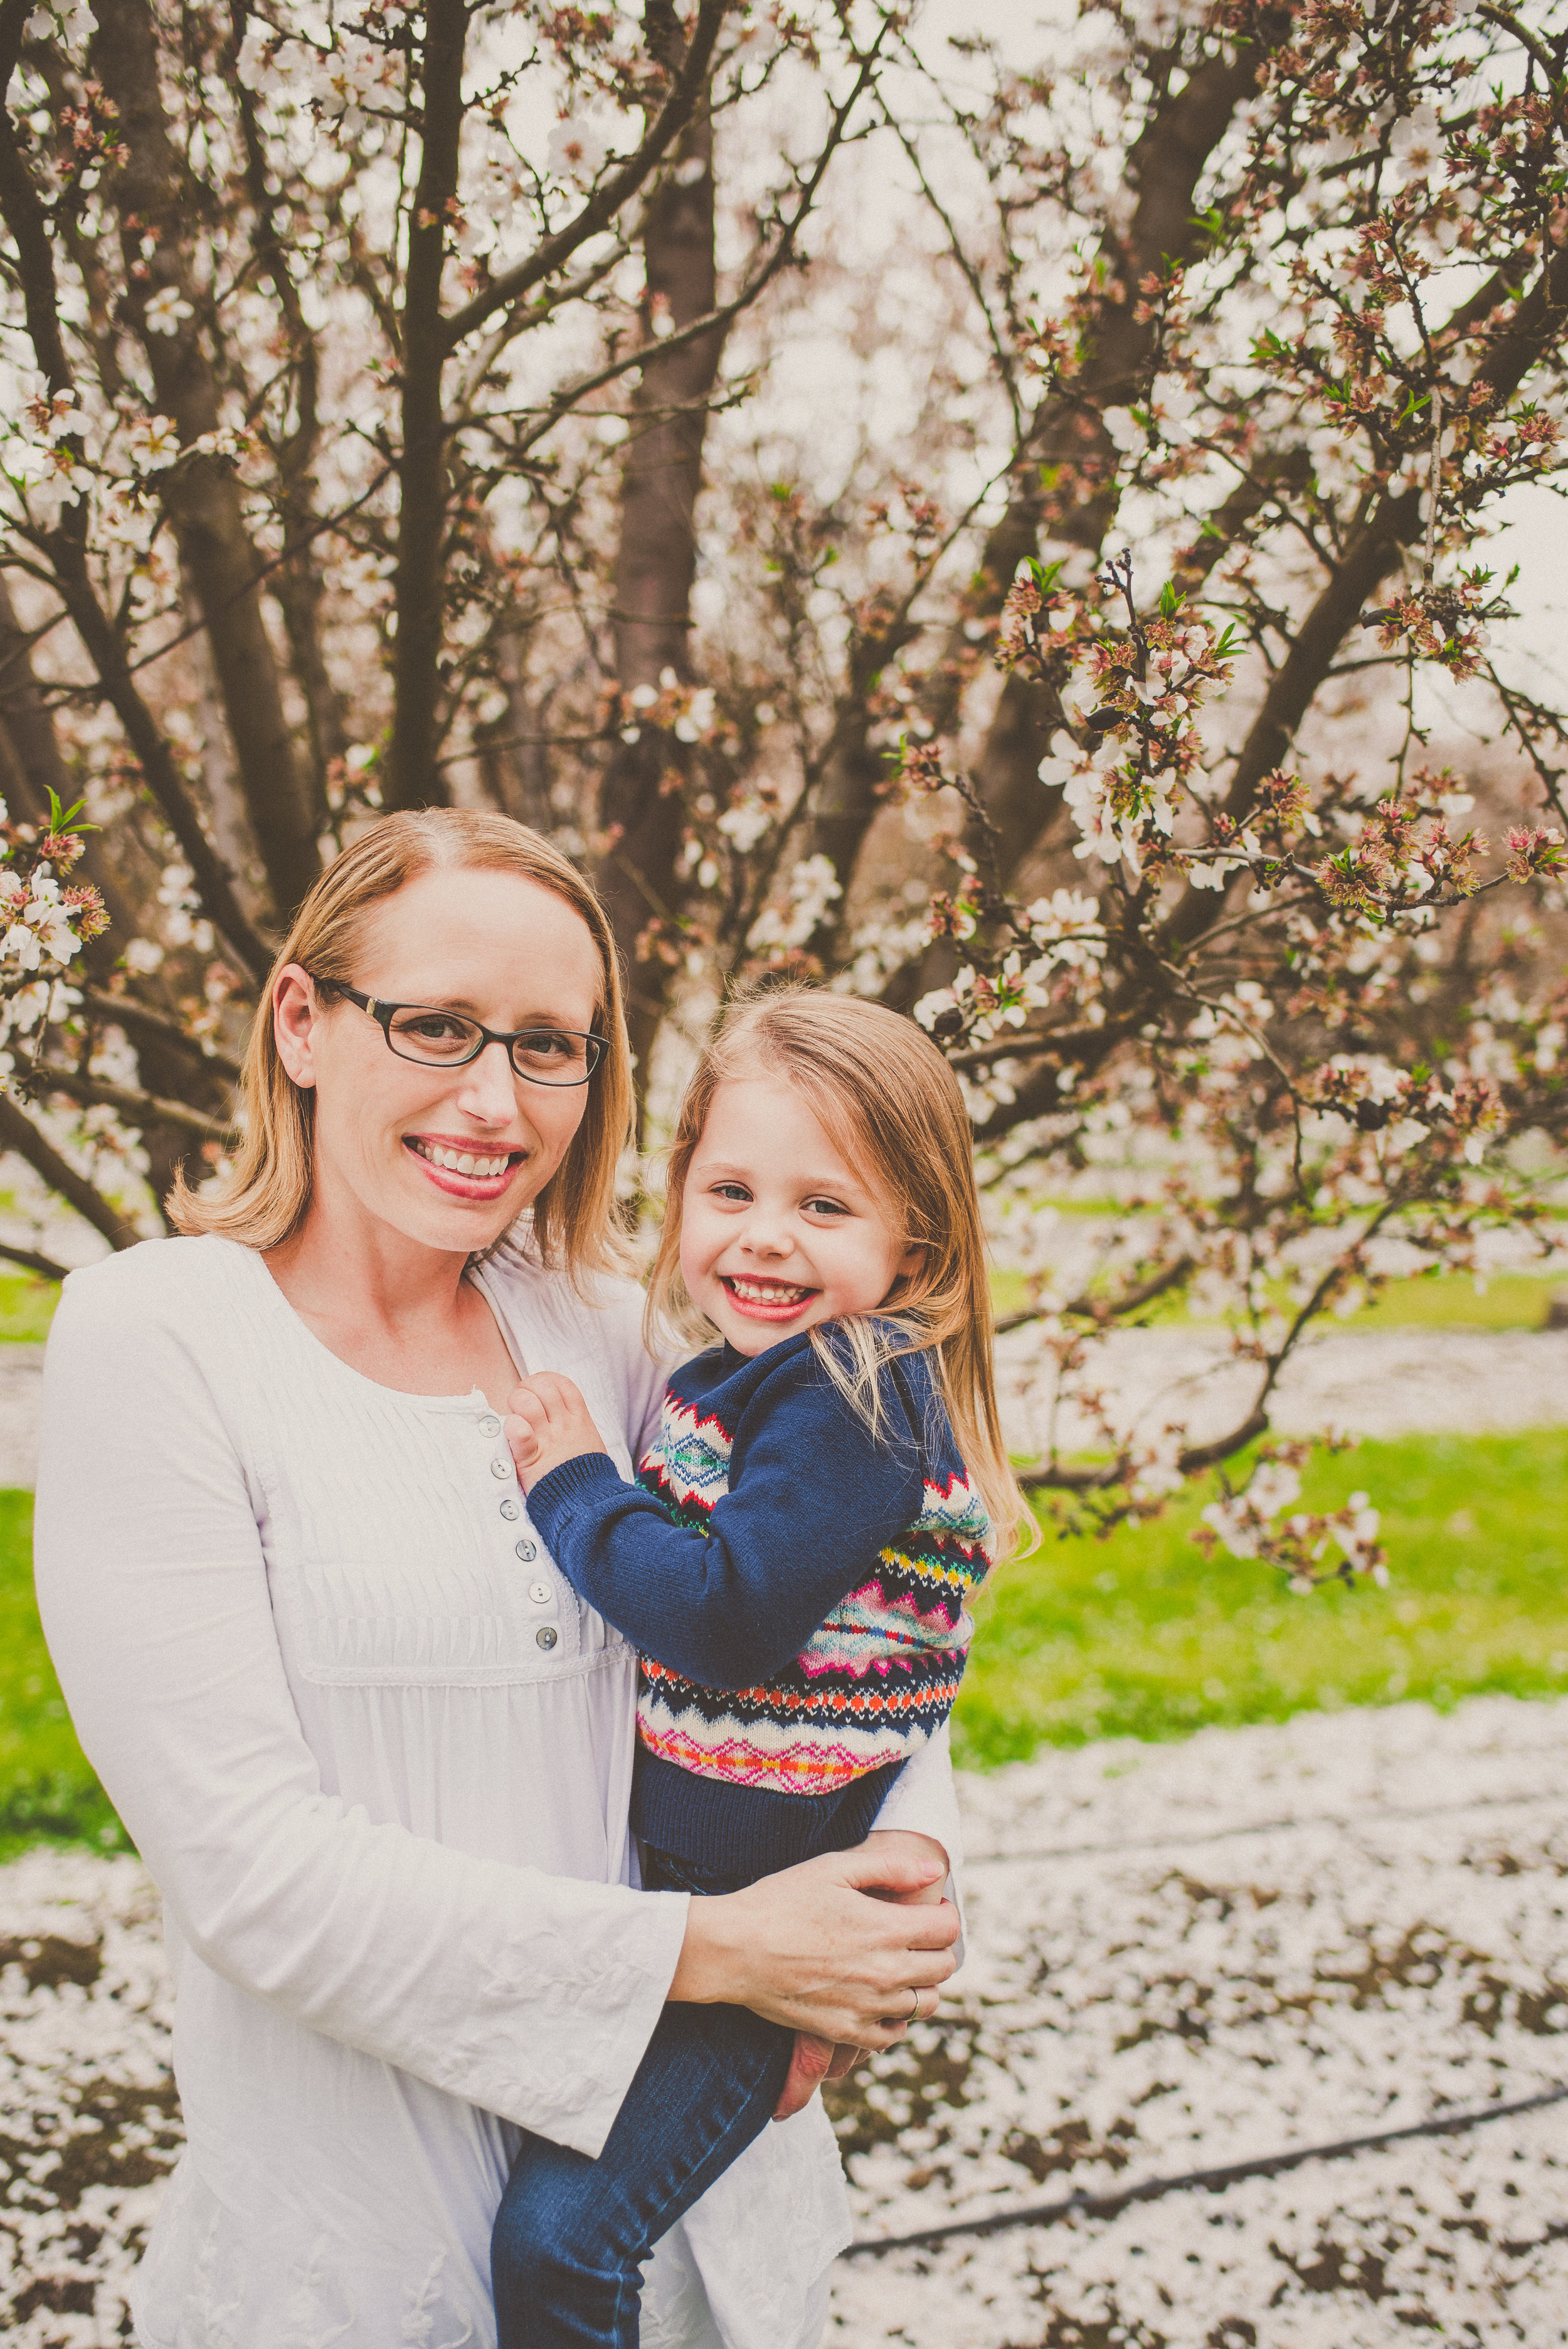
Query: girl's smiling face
778	1232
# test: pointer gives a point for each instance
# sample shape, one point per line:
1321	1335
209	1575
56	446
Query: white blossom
746	823
1125	431
1416	142
154	442
814	886
576	150
165	311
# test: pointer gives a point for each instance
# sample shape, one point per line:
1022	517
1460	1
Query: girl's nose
765	1234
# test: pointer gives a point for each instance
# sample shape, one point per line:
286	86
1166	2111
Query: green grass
1134	1637
26	1308
1138	1637
47	1790
1450	1300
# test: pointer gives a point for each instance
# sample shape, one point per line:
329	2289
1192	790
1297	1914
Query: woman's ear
296	1011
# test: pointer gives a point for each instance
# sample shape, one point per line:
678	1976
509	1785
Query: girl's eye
827	1207
733	1191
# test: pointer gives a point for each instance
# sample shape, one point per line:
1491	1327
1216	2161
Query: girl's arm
814	1497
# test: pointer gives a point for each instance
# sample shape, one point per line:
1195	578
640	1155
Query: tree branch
137	1108
605	201
127	1012
22	214
31	1261
19	1132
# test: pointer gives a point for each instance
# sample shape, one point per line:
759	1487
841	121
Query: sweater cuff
578	1479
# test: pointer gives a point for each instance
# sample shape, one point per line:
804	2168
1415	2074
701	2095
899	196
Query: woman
376	1754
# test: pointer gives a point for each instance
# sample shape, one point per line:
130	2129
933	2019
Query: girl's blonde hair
266	1197
879	1080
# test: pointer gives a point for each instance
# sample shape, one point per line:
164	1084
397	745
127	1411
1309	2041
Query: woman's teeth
771	1292
462	1162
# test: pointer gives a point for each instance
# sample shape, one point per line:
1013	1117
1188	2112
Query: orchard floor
1180	1958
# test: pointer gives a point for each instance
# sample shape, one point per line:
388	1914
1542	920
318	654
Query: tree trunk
655	563
199	494
413	779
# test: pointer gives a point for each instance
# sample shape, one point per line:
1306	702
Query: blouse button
490	1425
500	1467
547	1635
509	1509
540	1593
527	1551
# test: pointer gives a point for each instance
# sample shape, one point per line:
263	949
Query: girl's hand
548	1421
903	1837
807	1949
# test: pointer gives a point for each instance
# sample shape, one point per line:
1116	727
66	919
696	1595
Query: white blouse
378	1756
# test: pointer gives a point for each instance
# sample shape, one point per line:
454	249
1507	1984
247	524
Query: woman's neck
399	1311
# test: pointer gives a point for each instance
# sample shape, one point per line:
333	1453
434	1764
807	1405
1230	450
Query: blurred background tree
1001	538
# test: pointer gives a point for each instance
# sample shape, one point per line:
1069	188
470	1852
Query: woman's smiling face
447	1156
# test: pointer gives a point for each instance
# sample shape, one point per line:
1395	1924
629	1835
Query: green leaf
69	819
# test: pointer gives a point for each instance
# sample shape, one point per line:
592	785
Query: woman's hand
807	1949
816	2060
548	1421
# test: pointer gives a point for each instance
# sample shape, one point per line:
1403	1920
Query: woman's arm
531	1995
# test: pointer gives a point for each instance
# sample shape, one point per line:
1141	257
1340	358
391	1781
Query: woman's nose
490	1087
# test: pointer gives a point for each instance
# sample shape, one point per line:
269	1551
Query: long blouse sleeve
528	1994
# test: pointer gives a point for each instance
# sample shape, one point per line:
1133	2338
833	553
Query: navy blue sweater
797	1588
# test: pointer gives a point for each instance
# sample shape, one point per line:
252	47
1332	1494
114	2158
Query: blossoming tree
392	382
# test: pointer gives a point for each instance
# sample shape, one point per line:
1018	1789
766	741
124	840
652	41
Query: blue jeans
572	2234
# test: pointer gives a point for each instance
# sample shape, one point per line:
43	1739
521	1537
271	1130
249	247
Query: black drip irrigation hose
1151	2189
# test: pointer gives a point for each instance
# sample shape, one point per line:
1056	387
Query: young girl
828	1486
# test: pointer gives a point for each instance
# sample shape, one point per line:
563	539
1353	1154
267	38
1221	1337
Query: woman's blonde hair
269	1191
879	1080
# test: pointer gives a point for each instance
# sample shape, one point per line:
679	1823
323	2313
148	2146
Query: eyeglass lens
549	1056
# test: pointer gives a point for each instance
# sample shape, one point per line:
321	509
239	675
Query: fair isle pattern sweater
798	1589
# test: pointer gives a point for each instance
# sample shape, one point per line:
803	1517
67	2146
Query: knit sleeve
813	1496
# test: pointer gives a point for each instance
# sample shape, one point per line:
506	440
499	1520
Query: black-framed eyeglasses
450	1040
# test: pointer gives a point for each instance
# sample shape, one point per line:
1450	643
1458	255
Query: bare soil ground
1180	1957
1185	1958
